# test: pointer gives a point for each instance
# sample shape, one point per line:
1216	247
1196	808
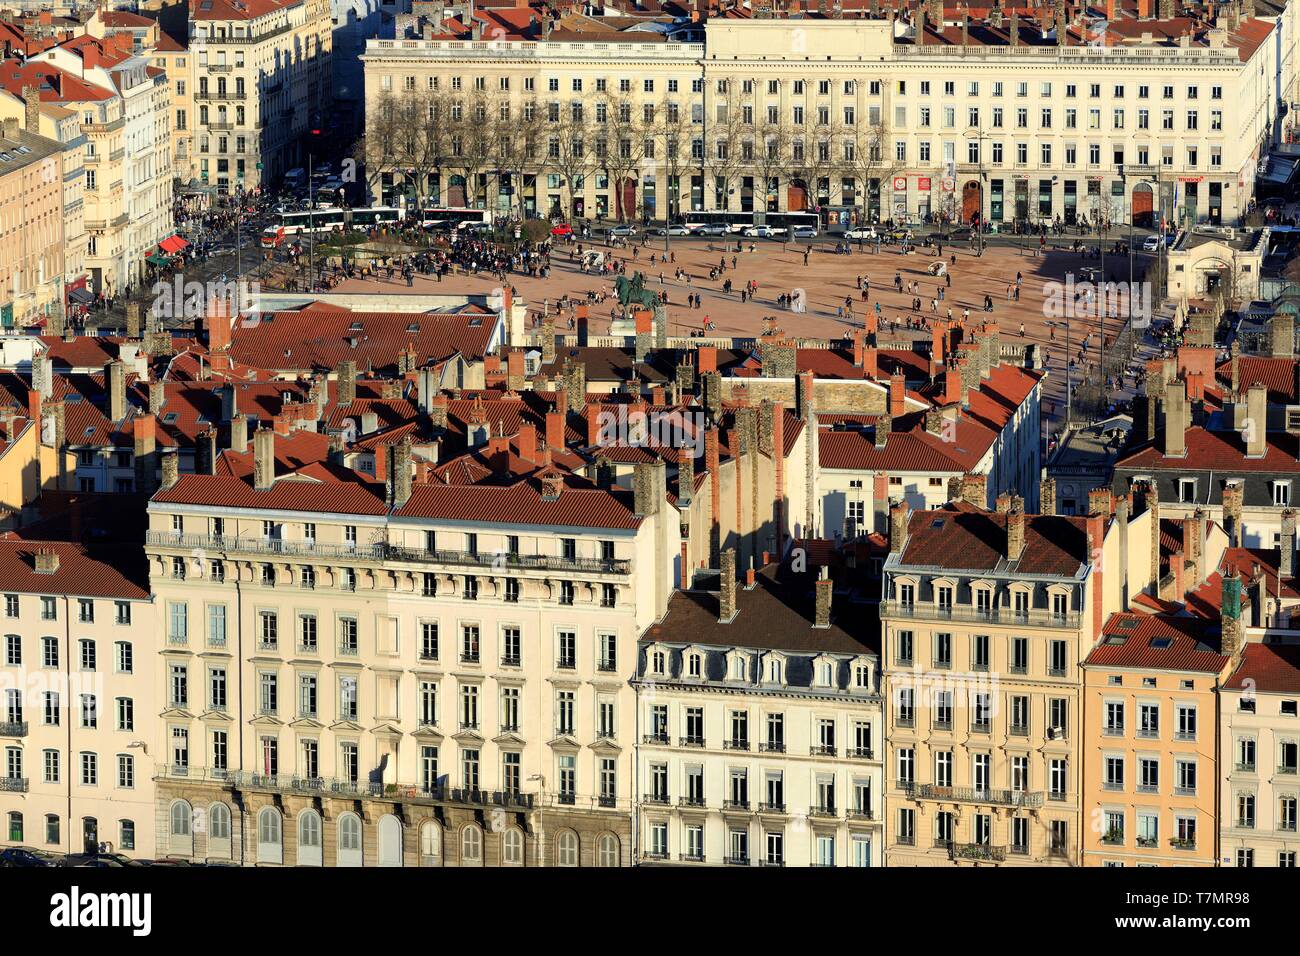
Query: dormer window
694	666
862	675
1282	493
774	671
737	668
825	673
657	662
943	598
906	594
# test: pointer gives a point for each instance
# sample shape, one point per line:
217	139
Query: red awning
172	245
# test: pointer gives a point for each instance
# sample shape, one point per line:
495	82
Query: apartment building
120	101
977	416
31	226
1260	732
1151	751
1241	475
1004	118
78	700
453	660
984	623
62	125
759	722
261	72
174	58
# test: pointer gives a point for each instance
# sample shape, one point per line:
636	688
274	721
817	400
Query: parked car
623	230
673	230
21	856
804	232
1151	244
562	230
712	229
759	232
862	232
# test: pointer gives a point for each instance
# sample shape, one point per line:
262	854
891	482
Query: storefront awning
157	259
173	245
81	295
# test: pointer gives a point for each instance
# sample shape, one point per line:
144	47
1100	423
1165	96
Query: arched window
219	831
607	850
390	841
218	822
430	844
512	847
182	817
309	841
471	845
567	845
349	840
269	846
182	829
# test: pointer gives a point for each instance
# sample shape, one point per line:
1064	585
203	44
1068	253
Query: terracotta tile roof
1271	668
522	503
84	351
124	18
222	491
903	451
293	453
1251	561
1217	451
78	574
55	85
237	9
1158	642
320	338
960	538
1278	375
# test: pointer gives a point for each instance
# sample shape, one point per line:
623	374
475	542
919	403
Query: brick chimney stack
1256	425
1232	514
727	587
1015	532
899	514
823	591
263	458
1286	542
116	390
347	384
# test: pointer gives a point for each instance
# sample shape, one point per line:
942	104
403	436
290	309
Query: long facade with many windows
889	119
466	681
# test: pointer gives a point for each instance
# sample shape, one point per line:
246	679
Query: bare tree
514	144
470	141
772	153
569	151
865	155
625	133
819	157
723	153
673	130
377	151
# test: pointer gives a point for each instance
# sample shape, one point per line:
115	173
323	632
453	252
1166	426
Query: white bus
373	216
333	219
453	217
734	221
315	220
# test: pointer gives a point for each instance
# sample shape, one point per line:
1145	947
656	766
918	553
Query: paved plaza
827	280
